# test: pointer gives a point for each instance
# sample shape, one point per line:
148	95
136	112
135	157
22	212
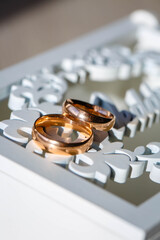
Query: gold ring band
98	117
45	131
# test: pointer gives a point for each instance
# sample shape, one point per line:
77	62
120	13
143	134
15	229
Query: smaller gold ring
98	117
45	132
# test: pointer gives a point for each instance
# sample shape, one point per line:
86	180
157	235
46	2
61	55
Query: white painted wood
34	190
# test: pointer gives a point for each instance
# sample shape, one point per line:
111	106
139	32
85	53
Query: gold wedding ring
71	133
48	132
98	117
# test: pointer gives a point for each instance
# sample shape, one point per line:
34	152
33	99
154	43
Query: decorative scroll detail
111	63
102	64
110	161
117	163
144	110
33	90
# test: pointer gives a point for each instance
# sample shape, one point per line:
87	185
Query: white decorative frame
118	219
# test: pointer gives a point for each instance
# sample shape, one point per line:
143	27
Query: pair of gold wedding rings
53	132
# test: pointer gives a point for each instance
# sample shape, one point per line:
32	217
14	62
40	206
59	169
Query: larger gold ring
47	132
98	117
